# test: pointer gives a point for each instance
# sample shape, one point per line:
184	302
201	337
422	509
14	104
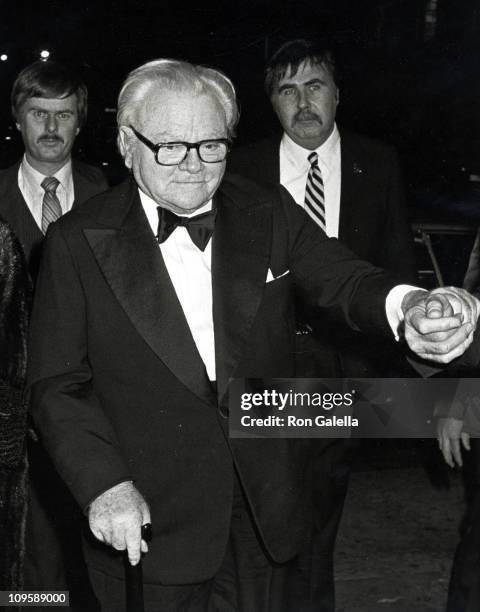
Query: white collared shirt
190	271
294	167
29	183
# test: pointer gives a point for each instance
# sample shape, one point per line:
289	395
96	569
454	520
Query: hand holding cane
134	577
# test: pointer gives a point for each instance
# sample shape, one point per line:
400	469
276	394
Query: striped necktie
314	192
51	209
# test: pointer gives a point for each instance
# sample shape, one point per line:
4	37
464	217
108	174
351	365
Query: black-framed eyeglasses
173	153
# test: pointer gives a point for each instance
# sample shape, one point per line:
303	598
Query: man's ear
337	96
125	144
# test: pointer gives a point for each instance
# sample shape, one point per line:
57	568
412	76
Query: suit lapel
83	188
240	258
352	213
14	203
132	264
16	209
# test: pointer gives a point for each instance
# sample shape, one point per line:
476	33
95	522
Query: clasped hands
439	324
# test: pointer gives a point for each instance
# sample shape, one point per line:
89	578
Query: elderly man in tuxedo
150	298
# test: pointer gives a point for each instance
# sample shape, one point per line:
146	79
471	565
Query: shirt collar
298	155
35	178
150	208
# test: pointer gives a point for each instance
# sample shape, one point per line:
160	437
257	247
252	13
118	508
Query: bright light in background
44	54
3	57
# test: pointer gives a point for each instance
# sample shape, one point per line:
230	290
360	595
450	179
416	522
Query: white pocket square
271	278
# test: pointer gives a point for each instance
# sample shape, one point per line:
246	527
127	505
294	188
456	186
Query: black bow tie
199	228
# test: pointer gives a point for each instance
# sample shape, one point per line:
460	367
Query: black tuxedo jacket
120	392
373	224
88	181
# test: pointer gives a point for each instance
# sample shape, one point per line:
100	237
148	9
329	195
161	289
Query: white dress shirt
190	271
29	183
294	167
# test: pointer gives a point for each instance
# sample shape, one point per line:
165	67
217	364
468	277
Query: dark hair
49	79
293	53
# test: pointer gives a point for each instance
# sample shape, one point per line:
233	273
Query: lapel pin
357	169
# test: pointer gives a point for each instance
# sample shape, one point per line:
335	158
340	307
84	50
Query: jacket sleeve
65	408
331	279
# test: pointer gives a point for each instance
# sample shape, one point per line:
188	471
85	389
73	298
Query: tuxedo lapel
240	259
132	264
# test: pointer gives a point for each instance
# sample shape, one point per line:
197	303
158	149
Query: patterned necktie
51	209
314	192
199	228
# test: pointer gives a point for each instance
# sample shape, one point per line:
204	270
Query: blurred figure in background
14	306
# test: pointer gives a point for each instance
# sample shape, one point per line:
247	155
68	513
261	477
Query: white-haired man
141	319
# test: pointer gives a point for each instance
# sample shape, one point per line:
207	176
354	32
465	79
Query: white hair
177	75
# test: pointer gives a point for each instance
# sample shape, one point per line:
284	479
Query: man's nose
51	123
302	98
192	162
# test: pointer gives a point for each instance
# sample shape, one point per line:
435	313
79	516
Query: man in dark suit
359	198
141	318
362	200
49	105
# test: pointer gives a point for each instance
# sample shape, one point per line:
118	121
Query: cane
134	578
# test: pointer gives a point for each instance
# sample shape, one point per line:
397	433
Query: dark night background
409	72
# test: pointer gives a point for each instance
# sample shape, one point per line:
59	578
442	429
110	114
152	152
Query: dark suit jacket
88	181
373	224
471	282
119	390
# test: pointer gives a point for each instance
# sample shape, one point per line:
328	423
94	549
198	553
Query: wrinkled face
166	116
306	104
48	127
